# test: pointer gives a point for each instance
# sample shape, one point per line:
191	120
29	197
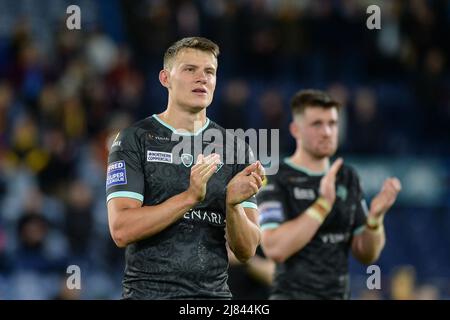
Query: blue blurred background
64	93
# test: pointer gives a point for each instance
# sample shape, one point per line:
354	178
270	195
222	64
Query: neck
182	119
306	160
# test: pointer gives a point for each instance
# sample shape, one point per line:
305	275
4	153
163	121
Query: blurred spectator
365	129
32	254
233	109
79	218
403	281
427	292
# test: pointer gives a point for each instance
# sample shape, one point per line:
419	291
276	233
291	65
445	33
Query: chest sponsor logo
334	237
187	159
158	138
116	174
205	216
304	194
157	156
297	179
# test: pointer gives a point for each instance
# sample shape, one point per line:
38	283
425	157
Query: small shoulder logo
187	159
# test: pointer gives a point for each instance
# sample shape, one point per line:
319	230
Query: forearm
369	244
290	237
133	224
282	242
261	269
243	235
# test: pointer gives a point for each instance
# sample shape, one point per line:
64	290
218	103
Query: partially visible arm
282	242
242	230
130	222
291	236
259	268
367	246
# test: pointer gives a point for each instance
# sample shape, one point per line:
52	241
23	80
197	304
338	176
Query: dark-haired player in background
174	217
312	213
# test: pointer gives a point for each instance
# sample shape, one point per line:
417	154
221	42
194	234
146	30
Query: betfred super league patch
116	174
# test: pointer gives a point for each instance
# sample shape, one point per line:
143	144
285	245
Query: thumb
335	167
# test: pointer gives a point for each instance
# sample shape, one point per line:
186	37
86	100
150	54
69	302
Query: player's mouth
200	91
326	143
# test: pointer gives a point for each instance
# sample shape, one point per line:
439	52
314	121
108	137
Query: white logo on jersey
187	159
156	156
304	194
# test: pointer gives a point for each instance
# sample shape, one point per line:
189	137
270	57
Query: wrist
374	223
190	199
319	210
230	204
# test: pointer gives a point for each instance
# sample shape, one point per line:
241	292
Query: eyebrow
196	66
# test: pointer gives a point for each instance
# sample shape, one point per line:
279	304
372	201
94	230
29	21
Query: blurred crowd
65	93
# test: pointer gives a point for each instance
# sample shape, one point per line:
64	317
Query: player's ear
293	129
164	76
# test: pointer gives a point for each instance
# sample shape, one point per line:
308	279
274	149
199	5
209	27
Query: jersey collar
168	126
303	169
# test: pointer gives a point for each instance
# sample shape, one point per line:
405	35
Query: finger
209	172
396	184
249	169
254	188
200	158
206	161
335	167
198	162
392	186
208	167
260	170
258	179
214	157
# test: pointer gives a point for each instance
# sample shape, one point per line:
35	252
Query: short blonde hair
198	43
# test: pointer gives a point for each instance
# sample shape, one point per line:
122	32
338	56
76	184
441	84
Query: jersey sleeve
362	210
271	205
125	173
244	149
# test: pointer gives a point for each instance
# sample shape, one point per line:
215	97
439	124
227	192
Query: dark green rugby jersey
320	269
188	259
